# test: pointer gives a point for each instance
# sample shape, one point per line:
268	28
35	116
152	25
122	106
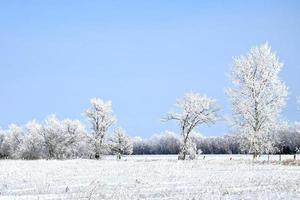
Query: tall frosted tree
101	117
257	96
191	111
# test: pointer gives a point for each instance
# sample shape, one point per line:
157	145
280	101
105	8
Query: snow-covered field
149	177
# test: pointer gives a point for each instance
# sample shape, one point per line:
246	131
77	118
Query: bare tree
191	111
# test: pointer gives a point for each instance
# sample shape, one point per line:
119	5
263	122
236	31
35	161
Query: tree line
70	140
287	142
65	139
257	98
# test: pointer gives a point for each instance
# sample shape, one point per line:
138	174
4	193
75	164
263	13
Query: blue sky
142	55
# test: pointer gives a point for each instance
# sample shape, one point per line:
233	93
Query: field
150	177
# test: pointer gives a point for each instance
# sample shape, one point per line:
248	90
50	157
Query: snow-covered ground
149	177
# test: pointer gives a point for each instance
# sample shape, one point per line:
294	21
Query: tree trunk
294	156
97	156
279	157
268	157
184	154
183	151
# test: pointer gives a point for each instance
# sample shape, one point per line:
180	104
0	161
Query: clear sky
142	55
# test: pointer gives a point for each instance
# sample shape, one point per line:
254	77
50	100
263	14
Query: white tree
75	140
165	143
140	146
101	117
121	144
64	139
192	110
296	137
53	137
4	146
15	136
32	146
257	96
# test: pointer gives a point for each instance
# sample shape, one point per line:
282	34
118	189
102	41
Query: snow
150	177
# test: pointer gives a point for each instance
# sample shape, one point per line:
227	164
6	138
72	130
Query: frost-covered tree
75	139
191	111
165	143
101	117
32	146
64	139
53	137
4	146
257	96
15	136
141	146
120	143
289	138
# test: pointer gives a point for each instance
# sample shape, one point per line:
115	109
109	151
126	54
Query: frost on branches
120	143
101	117
14	139
257	96
62	139
33	143
192	110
